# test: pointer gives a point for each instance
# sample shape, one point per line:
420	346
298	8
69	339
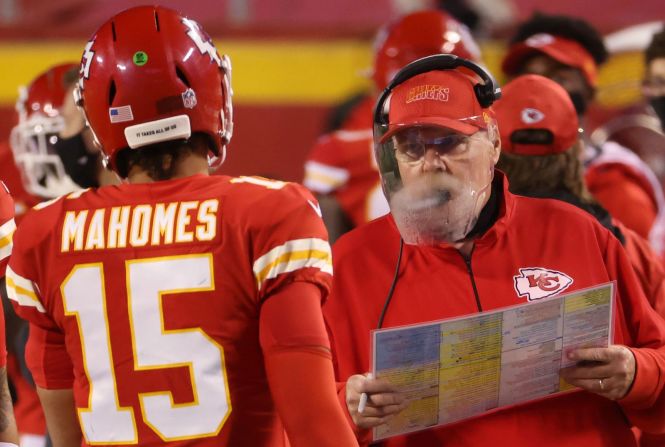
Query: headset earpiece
484	97
486	94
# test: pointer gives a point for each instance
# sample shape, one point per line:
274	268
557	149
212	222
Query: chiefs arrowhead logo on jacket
536	283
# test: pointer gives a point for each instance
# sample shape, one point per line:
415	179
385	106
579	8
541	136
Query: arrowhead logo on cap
532	116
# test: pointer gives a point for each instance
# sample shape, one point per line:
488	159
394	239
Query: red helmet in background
150	75
33	139
417	35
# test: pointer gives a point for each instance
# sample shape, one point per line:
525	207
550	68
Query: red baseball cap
565	51
442	98
533	102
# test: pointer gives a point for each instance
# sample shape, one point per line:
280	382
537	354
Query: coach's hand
383	401
608	372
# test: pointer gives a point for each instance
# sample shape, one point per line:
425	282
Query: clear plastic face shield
33	144
437	179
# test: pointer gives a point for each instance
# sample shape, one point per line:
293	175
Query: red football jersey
342	164
155	291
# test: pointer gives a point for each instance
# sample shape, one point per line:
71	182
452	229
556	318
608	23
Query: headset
487	92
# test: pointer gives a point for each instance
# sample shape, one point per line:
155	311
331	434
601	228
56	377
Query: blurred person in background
653	86
34	139
52	154
340	169
29	161
541	152
569	51
637	127
34	172
353	112
541	157
52	150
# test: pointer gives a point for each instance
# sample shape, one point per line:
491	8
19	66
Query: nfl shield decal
189	98
536	283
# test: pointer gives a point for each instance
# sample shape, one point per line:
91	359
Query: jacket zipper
467	261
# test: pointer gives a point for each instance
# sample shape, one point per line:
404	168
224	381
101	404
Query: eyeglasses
411	146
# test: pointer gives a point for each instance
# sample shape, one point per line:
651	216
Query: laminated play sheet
460	368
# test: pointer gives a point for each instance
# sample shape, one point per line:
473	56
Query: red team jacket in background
342	165
627	187
436	283
138	289
647	266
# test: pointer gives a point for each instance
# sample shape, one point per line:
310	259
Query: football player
43	94
52	152
33	140
34	172
340	169
177	308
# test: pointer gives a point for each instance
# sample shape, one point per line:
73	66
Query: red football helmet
417	35
33	139
150	75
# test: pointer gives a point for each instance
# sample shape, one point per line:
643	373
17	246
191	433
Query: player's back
157	288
